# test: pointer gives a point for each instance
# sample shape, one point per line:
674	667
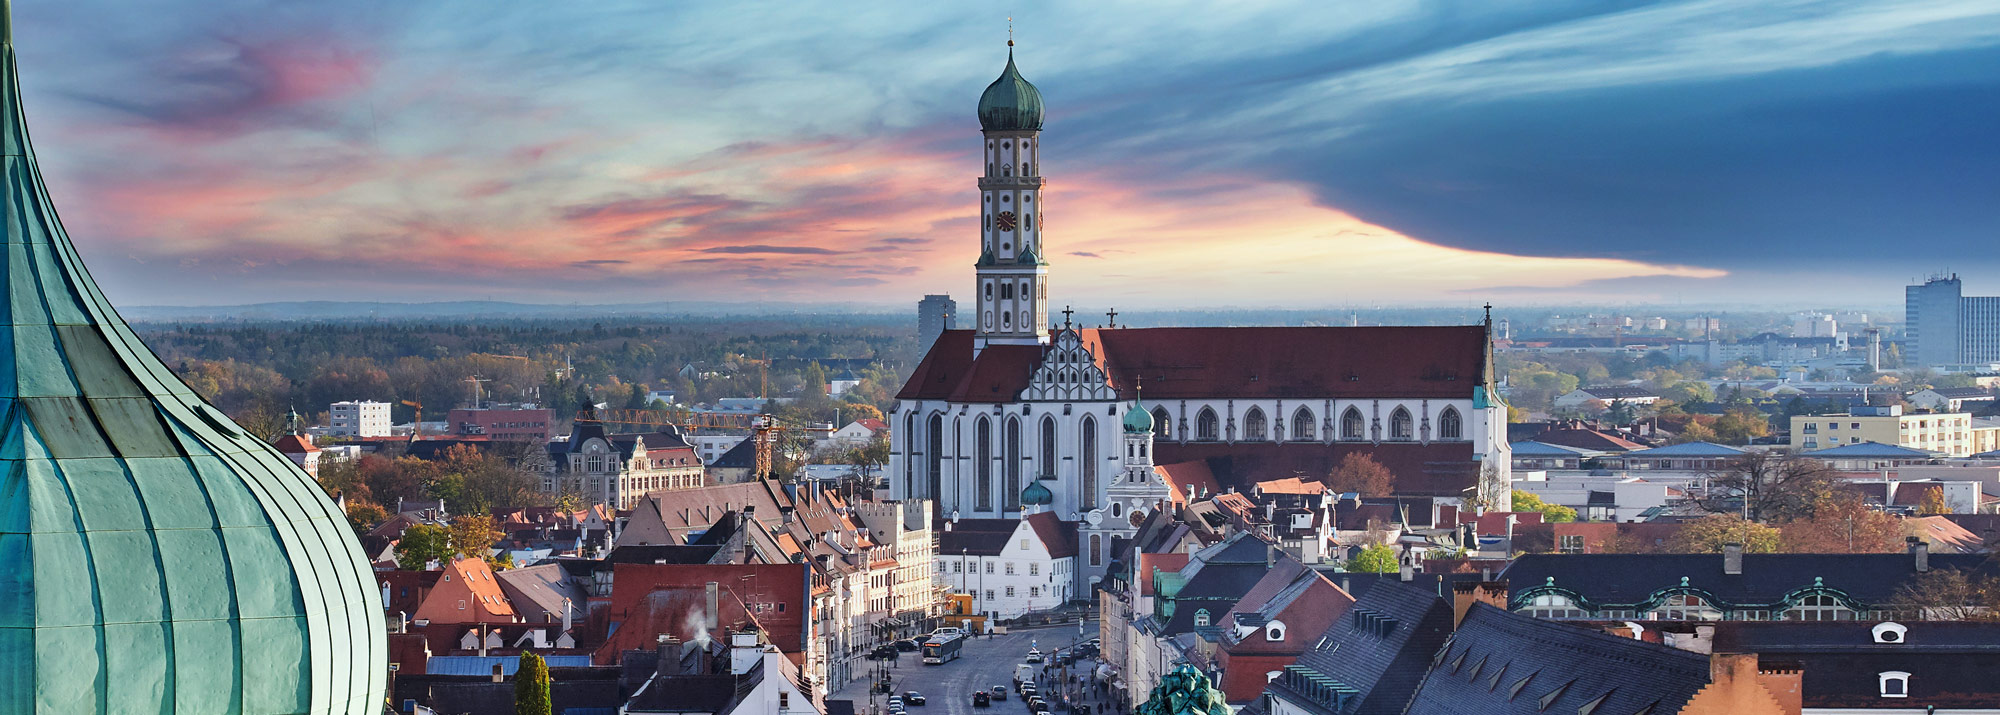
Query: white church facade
1021	400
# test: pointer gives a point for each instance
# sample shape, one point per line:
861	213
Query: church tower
1013	271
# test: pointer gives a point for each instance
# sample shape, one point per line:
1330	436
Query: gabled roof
294	444
1247	362
1951	663
1586	438
1605	579
1379	648
1500	663
1058	536
536	590
1434	469
741	456
974	537
1688	449
1871	450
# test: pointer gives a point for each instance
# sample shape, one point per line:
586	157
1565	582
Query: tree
1933	503
1843	524
422	544
1360	473
364	516
473	536
1769	486
1695	431
1689	392
636	398
1551	513
1621	412
1739	426
1708	534
1947	595
531	685
1379	558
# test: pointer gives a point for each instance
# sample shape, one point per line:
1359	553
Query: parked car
882	653
909	645
981	700
999	692
1034	656
913	698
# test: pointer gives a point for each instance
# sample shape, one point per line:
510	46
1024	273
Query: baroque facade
1021	400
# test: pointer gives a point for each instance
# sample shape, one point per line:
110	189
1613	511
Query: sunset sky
1238	154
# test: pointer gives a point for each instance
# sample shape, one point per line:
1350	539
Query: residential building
1950	399
505	422
467	592
911	590
362	418
1874	666
1011	567
1024	398
1947	328
1985	435
1871	456
936	313
840	384
1500	663
619	469
1685	457
1947	433
1607	394
1272	625
1533	455
711	446
860	432
300	450
1370	660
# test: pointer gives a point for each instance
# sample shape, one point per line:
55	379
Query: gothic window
935	470
982	460
1401	428
1162	423
1351	425
909	449
1255	427
1012	453
1205	426
1048	448
1449	425
1302	425
1087	459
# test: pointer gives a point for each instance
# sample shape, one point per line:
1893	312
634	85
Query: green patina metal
1010	103
157	558
1184	691
1658	598
1037	495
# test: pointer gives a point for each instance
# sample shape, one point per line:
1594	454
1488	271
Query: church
1023	414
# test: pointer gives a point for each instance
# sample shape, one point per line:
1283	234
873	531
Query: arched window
1096	550
1274	631
1819	607
982	460
1048	448
1685	607
1024	168
909	454
1006	321
935	470
1554	607
1352	426
1086	456
1011	452
1028	222
1163	423
1449	426
1895	683
1401	428
1255	427
1302	425
1205	426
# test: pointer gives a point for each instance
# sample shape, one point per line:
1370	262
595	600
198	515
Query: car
1028	690
981	700
999	692
882	653
1034	656
913	697
909	645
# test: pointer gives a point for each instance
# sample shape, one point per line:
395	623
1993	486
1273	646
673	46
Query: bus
942	648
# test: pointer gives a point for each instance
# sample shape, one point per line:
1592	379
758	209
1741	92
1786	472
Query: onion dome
1010	103
1037	495
1138	420
158	558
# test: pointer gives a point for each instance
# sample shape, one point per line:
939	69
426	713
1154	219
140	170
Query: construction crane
416	426
767	432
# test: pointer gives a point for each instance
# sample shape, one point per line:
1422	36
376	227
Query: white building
1022	401
710	446
363	418
860	432
1010	566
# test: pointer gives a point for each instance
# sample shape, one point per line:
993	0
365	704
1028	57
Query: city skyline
1644	152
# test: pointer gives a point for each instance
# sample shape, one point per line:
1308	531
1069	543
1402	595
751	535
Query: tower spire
1010	34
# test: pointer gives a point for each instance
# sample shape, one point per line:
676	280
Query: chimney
1921	551
1732	558
709	615
1270	557
567	609
1463	595
1406	573
669	652
499	676
481	631
1270	512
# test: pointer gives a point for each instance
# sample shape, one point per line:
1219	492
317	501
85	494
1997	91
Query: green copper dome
1037	494
157	558
1138	420
1010	103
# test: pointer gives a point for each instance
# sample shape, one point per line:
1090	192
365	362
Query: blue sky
1293	154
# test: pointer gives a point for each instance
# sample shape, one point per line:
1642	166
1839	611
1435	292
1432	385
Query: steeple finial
7	24
1010	31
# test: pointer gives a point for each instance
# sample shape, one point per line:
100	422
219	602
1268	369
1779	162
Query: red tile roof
294	444
873	425
1059	536
1193	363
1435	469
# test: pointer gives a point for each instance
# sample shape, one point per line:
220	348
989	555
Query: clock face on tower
1006	219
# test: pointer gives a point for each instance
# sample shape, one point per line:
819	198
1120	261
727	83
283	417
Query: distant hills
461	309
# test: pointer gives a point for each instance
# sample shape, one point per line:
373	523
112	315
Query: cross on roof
1066	311
1113	315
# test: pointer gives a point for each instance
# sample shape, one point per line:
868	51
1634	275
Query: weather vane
1010	30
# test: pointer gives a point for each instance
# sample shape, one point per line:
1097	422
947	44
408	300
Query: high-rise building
358	419
1946	328
935	314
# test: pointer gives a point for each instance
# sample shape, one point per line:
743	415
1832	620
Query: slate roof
741	456
536	590
1689	449
1951	664
1767	579
1379	649
1244	363
975	537
1499	662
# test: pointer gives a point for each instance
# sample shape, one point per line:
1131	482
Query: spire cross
1066	311
1113	316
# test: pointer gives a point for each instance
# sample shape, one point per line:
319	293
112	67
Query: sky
1249	154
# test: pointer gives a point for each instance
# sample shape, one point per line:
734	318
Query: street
985	662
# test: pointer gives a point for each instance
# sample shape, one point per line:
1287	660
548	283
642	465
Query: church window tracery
1302	425
1352	425
1161	422
1401	427
1450	426
1206	426
1012	452
982	433
1087	461
1048	448
1255	427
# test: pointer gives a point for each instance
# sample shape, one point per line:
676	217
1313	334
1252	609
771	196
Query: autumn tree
1379	558
1551	513
1708	534
1947	595
1769	486
474	536
1843	524
1695	431
422	544
1739	426
1933	503
363	516
1361	474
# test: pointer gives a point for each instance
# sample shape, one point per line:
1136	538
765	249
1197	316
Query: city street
985	662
